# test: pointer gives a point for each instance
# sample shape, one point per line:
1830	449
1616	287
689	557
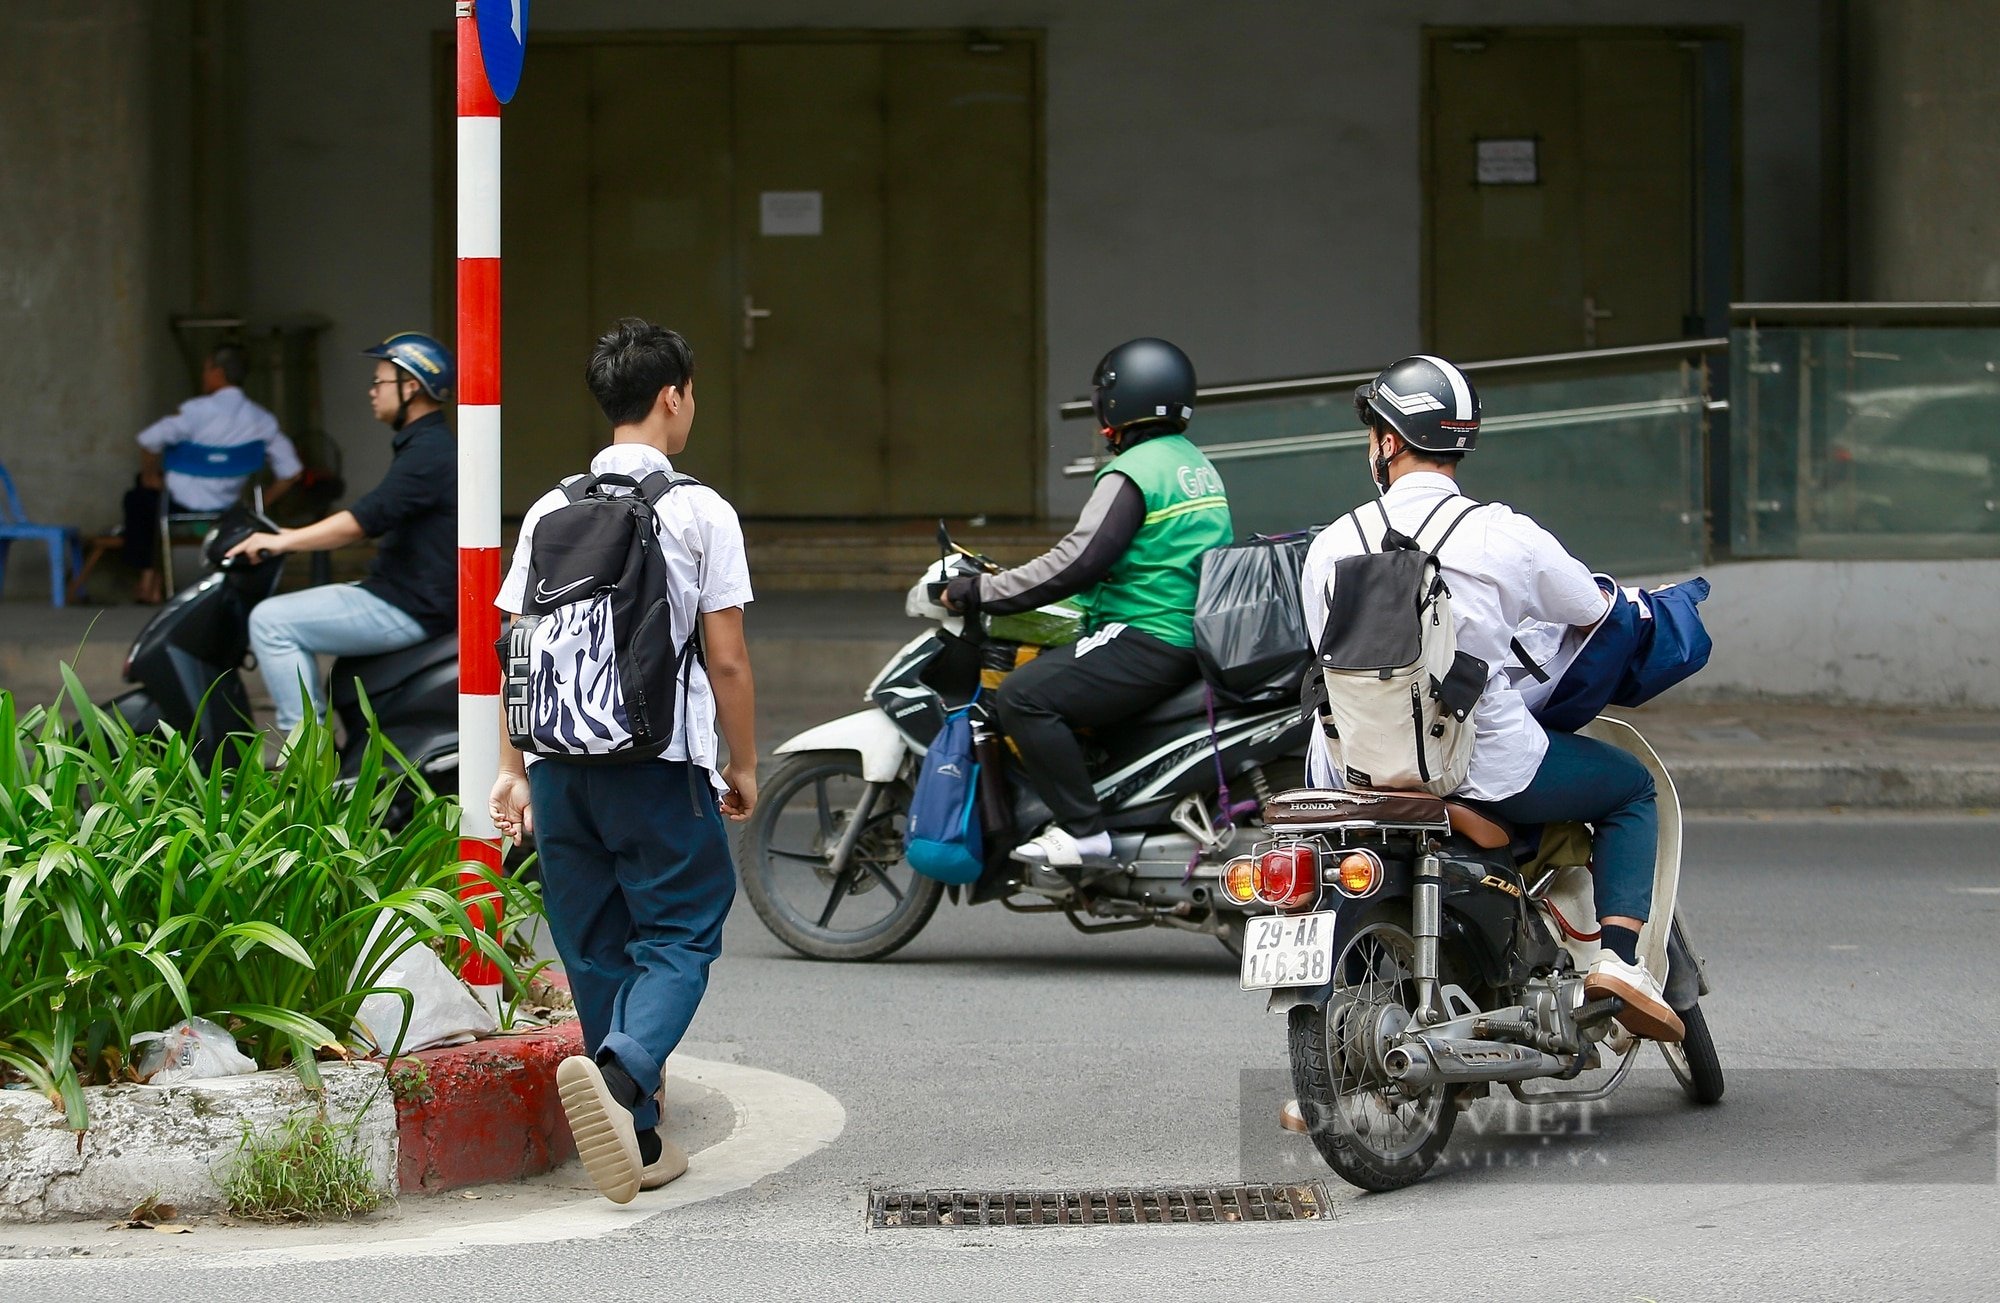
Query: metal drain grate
1159	1206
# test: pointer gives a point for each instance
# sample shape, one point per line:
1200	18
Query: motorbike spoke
875	871
838	894
803	857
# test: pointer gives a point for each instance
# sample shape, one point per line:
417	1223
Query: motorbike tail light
1358	873
1238	880
1287	876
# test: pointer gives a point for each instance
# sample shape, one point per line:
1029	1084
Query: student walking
625	654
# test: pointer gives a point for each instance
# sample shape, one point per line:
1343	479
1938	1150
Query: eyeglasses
373	385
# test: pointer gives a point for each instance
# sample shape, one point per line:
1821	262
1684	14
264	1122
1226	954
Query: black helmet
1425	399
1146	380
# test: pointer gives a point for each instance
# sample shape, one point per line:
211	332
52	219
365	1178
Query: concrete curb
1718	785
475	1114
483	1112
173	1144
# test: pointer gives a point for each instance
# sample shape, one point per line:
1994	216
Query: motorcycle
186	669
822	857
1423	953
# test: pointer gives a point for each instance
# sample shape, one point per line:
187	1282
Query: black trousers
142	525
1108	676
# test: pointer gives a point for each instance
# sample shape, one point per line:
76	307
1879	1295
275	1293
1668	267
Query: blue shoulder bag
1649	641
943	839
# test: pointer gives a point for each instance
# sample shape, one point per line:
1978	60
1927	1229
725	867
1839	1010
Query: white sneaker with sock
1058	849
1646	1010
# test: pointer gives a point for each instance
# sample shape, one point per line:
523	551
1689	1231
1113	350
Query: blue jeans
636	881
339	619
1586	781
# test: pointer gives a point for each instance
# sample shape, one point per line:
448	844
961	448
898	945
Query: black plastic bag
1249	629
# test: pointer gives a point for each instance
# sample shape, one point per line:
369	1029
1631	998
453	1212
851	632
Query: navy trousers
636	880
1587	781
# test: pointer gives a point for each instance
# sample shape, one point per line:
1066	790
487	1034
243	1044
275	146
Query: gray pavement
1007	1051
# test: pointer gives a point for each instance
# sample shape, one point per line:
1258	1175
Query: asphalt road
1007	1052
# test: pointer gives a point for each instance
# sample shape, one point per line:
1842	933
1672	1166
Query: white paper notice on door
1507	162
788	212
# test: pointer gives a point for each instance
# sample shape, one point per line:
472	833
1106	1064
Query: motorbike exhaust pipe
1434	1061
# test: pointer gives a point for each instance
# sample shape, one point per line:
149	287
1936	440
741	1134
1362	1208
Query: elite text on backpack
590	668
1399	692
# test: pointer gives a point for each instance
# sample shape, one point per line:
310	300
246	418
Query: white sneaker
1646	1010
602	1128
671	1165
1057	849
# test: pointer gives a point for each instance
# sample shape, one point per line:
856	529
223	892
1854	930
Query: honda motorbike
1424	953
822	857
186	669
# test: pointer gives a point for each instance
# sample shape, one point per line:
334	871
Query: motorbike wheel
784	851
1694	1061
1373	1137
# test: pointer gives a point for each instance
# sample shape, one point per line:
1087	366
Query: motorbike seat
1488	834
383	671
1187	703
1387	805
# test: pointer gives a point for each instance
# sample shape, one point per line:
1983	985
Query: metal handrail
1866	314
1286	445
1318	384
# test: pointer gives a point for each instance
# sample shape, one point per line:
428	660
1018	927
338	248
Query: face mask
1378	467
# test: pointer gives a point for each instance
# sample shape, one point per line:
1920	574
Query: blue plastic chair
65	547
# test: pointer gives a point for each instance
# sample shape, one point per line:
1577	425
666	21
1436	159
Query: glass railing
1865	430
1606	449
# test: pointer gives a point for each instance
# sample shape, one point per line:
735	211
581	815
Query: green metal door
845	230
1560	191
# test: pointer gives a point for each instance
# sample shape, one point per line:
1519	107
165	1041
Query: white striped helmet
1426	400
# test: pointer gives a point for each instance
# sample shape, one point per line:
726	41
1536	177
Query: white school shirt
1502	569
226	418
707	570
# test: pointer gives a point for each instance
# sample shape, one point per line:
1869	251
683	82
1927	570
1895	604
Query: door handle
1592	314
752	314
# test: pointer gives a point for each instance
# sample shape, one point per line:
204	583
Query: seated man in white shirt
1502	568
200	458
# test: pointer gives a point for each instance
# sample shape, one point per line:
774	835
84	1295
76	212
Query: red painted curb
483	1112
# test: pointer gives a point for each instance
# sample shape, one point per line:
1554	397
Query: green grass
139	887
309	1170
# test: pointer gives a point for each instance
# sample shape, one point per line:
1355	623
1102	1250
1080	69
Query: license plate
1287	950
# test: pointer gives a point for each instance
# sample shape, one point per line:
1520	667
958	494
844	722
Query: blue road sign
503	36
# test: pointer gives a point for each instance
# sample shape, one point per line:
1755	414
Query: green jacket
1152	586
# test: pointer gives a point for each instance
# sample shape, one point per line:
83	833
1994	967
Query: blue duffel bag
942	840
1650	640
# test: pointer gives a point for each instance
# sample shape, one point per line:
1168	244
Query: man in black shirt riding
411	590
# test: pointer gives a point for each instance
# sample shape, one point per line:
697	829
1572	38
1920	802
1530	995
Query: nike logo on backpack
543	593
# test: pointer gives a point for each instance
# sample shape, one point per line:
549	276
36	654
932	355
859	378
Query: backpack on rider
590	670
1399	692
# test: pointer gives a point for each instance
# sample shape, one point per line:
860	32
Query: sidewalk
814	652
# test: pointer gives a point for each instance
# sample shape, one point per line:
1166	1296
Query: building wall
90	263
1243	178
1924	133
1873	633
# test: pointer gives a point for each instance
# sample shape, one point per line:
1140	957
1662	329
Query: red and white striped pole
478	470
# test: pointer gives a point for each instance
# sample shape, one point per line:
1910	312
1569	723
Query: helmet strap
403	399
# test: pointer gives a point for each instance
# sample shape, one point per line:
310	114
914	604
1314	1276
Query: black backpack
589	671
